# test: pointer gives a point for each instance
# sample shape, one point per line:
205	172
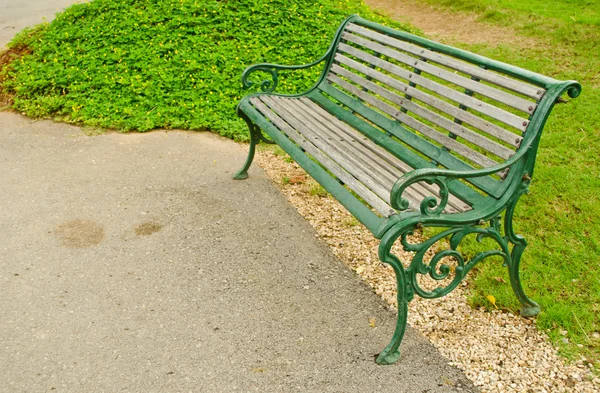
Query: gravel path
499	351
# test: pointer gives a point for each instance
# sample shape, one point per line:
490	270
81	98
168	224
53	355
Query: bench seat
365	167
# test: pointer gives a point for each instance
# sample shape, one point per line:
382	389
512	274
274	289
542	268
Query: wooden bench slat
373	180
324	130
371	146
459	80
462	115
449	125
349	146
383	130
358	143
386	159
444	140
515	85
445	91
373	200
361	166
367	148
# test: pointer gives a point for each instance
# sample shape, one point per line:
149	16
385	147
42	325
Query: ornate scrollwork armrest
266	85
269	85
430	205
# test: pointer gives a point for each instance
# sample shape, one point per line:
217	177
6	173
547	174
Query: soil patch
7	57
450	27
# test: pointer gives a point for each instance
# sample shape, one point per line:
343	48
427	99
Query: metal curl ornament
430	205
267	85
442	271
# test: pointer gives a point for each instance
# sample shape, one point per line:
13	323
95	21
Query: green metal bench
408	133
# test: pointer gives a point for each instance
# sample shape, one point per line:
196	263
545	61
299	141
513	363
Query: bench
407	133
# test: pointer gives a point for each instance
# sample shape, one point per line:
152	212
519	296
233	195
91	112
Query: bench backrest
439	106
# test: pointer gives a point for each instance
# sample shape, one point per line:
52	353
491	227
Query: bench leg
254	139
529	308
391	353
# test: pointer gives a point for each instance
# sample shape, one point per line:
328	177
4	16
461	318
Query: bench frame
484	220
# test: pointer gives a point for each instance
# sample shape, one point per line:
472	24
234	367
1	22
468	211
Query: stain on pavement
79	233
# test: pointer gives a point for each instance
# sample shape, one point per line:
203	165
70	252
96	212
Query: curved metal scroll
438	270
266	85
269	85
430	205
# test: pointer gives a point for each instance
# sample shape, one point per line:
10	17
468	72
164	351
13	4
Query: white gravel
500	352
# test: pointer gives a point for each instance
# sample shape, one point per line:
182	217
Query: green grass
141	64
560	218
578	11
317	190
351	222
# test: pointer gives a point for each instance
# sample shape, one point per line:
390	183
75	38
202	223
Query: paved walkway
134	263
15	15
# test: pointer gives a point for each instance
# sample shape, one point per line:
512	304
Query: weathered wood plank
332	139
353	146
449	125
363	167
375	180
459	97
399	139
459	80
444	140
304	126
515	85
373	200
464	116
369	151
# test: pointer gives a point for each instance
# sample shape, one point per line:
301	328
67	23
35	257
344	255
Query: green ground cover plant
560	218
142	64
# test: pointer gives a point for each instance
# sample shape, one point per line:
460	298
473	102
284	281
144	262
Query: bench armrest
430	205
269	85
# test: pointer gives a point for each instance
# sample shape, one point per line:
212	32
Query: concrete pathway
134	263
15	15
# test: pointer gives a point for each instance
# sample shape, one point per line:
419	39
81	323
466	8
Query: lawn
140	65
